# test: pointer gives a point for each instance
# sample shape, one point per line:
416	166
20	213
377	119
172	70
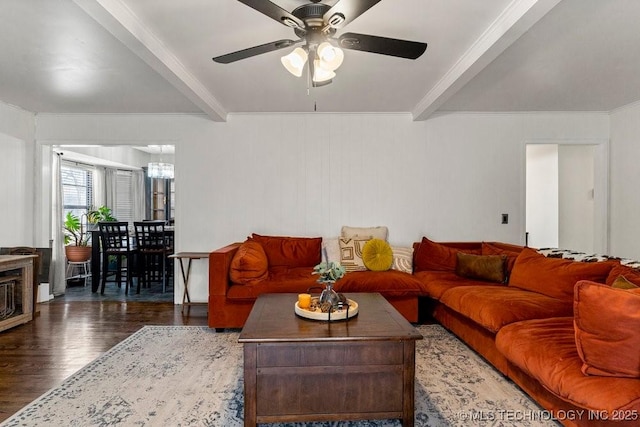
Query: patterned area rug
190	375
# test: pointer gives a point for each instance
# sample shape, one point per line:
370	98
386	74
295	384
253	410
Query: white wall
624	182
17	170
542	195
449	178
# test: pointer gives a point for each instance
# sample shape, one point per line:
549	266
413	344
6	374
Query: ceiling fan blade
253	51
382	45
274	12
349	9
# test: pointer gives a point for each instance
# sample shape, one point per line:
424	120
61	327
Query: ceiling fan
315	24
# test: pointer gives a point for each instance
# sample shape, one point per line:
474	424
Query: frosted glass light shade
321	74
330	57
160	170
294	62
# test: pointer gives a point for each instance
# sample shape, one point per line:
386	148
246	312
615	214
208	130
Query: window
124	206
77	188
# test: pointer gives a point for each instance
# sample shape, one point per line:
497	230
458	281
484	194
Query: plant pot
77	253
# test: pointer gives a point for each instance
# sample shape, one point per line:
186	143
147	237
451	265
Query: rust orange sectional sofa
288	267
556	327
511	304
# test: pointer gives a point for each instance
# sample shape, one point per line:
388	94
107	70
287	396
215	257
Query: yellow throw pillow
622	282
377	255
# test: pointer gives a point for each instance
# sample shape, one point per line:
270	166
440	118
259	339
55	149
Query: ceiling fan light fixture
321	74
331	57
294	62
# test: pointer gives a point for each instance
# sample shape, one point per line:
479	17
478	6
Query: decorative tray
317	314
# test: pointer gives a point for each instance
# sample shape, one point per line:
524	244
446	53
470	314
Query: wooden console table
23	266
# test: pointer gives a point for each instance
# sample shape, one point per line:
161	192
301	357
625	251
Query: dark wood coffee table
297	369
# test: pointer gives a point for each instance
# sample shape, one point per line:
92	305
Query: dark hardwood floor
65	336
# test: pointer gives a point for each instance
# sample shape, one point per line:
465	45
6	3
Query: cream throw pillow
331	249
380	232
351	253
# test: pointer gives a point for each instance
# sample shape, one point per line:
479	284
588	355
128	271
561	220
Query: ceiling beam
514	21
118	19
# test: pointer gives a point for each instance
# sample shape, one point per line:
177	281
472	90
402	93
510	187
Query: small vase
329	295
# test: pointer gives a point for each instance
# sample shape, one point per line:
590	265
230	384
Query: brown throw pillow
249	264
606	322
491	268
492	249
430	255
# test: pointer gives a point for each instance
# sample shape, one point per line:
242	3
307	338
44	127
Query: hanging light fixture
160	169
325	59
294	62
330	57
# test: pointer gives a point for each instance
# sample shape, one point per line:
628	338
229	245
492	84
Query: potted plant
76	239
328	274
102	213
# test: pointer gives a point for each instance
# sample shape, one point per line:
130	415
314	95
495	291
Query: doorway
114	177
566	195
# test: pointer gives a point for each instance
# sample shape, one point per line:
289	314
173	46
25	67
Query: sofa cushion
491	268
436	283
545	349
351	253
510	251
431	255
494	306
249	264
607	325
389	283
290	251
377	255
554	277
281	279
631	274
402	259
380	232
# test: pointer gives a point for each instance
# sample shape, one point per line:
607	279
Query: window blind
77	188
124	209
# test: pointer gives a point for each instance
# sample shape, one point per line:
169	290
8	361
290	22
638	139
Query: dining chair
114	237
153	248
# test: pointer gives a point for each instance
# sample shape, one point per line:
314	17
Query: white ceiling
154	56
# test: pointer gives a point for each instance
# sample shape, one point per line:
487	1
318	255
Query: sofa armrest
219	266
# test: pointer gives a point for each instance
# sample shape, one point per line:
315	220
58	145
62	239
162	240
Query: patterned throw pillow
351	253
402	259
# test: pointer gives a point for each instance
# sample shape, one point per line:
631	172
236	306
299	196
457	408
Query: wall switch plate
505	218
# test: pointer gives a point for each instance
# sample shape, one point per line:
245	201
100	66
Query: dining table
96	254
